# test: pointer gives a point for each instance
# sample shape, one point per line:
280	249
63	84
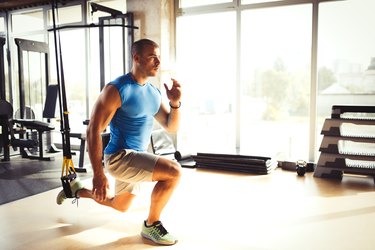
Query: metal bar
130	19
314	82
101	53
21	80
33	46
2	72
92	26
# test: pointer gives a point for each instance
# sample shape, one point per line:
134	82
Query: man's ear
136	58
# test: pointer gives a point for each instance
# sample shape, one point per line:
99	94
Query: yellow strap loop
67	167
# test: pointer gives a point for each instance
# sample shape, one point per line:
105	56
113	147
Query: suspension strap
68	174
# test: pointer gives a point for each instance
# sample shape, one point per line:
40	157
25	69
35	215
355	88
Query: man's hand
99	187
174	93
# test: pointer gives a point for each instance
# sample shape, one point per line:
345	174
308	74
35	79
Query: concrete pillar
155	19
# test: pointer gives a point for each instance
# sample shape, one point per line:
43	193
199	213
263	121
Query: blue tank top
131	126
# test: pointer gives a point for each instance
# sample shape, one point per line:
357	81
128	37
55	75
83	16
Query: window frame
239	7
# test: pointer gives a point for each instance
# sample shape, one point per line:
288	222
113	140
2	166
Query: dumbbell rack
348	144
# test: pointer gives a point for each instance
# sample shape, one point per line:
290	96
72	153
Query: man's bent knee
175	169
167	170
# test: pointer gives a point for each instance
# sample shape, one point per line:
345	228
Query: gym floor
209	210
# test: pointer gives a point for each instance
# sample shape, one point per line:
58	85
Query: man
129	105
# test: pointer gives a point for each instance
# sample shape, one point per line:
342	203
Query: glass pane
206	50
30	21
2	24
72	14
6	85
195	3
114	50
275	82
94	69
34	85
14	85
257	1
346	55
346	67
37	83
73	51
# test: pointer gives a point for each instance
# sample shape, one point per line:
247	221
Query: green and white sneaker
158	234
75	186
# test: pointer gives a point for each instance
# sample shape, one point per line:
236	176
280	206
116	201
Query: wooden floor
210	210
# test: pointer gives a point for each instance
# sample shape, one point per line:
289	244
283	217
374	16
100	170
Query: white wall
155	20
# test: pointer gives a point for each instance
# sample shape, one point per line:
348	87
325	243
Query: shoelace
75	200
161	229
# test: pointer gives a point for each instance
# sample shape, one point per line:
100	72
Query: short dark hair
139	45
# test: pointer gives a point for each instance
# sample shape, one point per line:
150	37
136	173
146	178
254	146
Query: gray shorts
129	168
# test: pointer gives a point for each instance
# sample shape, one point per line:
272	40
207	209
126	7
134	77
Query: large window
74	65
207	67
279	94
27	25
80	52
346	56
275	81
346	64
30	21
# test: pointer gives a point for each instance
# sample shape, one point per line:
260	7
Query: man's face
149	61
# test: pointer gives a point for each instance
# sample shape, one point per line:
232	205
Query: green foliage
325	78
286	94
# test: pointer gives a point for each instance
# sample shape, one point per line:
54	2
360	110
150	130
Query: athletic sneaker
158	234
75	186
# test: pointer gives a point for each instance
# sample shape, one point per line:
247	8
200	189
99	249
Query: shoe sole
156	242
58	200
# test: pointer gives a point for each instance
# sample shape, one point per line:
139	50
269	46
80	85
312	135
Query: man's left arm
169	118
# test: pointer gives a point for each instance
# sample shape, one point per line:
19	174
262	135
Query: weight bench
40	127
6	122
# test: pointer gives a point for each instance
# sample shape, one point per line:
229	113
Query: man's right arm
105	107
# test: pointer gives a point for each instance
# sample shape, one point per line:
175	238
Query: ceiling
21	4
